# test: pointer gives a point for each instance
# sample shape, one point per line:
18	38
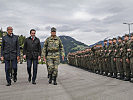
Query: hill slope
70	45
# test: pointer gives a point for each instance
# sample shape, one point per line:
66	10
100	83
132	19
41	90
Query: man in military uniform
101	61
105	58
126	64
118	56
96	61
51	54
131	57
109	51
113	60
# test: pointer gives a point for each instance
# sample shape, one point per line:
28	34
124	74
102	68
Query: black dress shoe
8	84
15	78
33	82
29	79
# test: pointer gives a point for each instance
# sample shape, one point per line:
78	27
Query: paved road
73	84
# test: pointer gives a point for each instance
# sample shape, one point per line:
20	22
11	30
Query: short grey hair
9	27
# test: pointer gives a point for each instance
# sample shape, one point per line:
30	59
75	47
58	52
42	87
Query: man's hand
121	60
18	58
62	58
39	57
127	60
24	56
114	59
129	50
121	49
44	59
2	58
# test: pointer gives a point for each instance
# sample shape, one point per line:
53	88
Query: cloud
86	20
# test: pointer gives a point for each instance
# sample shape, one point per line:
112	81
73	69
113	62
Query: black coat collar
31	38
10	35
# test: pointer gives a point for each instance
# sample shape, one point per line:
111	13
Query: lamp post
129	26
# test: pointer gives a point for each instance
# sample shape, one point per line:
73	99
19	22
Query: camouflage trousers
109	65
131	66
47	66
52	65
113	65
119	66
105	63
126	67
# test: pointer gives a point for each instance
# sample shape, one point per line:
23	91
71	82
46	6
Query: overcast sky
85	20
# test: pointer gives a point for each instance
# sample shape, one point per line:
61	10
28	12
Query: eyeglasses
32	33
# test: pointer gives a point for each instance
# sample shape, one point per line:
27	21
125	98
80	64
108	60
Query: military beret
126	35
114	39
53	29
110	39
105	40
131	34
119	38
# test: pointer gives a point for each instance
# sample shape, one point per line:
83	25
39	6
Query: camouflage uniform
113	62
101	61
131	58
105	59
52	48
126	65
109	51
118	56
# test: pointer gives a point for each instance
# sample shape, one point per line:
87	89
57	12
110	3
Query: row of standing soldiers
114	59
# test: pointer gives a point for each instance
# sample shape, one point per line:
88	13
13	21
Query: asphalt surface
73	84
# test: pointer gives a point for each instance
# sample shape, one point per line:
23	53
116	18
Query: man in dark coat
32	52
10	52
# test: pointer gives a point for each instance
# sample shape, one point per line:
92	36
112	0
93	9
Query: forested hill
70	44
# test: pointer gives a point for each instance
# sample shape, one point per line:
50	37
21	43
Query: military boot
131	80
121	76
55	83
118	76
48	75
104	74
126	79
114	75
101	73
97	72
109	75
50	78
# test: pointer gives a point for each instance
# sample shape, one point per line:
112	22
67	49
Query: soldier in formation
113	59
